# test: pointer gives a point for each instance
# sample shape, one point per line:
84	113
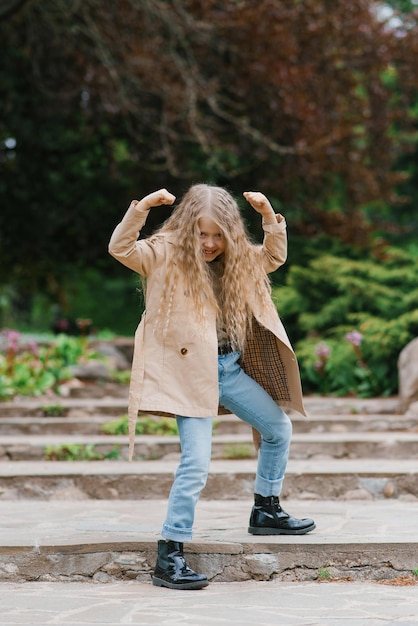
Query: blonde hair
241	265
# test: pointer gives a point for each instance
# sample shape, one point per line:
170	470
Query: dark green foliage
329	298
325	123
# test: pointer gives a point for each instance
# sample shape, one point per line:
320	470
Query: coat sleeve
140	256
274	248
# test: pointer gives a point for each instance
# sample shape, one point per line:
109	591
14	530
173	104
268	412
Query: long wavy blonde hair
240	265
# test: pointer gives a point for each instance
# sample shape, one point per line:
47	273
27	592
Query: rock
95	370
123	345
358	494
389	490
262	566
101	577
408	374
114	356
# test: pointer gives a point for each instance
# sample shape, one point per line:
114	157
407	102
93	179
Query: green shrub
324	302
31	369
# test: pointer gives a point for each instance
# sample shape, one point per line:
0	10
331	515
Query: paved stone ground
360	536
106	541
61	523
242	604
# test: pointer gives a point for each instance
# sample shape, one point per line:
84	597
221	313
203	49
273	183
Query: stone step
383	445
229	479
71	407
108	540
82	423
28	426
315	405
340	423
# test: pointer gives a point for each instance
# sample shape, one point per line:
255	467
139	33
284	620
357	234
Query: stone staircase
353	467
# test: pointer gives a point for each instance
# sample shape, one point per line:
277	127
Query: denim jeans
250	402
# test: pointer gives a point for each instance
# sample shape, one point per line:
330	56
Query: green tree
309	101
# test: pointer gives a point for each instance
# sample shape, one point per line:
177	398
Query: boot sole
159	582
254	530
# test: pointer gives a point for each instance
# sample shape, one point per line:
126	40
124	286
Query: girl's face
212	241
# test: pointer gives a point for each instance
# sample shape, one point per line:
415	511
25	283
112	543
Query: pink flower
322	351
12	336
33	347
354	338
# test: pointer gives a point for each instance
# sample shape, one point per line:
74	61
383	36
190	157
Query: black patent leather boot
172	570
268	518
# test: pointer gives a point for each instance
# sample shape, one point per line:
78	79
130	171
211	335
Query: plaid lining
263	362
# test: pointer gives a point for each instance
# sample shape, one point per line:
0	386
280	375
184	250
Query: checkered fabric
263	362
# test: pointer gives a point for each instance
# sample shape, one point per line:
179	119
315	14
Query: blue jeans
250	402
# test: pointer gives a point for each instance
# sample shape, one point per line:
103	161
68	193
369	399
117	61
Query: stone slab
313	479
386	445
221	604
314	405
107	540
80	422
29	426
65	406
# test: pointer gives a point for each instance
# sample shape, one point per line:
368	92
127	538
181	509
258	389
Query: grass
52	410
144	426
324	573
79	452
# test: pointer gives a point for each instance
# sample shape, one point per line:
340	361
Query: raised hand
258	201
262	205
156	198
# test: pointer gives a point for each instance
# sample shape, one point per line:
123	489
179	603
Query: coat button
183	351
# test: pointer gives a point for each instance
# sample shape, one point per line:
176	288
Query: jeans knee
193	472
281	433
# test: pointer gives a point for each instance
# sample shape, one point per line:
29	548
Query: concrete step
92	425
58	407
80	422
110	540
28	426
382	445
229	479
110	405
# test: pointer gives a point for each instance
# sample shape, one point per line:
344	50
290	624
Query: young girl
210	340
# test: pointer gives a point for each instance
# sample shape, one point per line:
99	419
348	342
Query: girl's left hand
259	202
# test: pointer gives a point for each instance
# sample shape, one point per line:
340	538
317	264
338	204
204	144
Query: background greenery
315	103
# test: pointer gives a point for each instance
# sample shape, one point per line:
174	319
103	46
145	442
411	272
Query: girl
210	340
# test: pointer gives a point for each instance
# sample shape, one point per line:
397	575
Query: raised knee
282	433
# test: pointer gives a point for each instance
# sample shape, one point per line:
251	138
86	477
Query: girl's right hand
156	198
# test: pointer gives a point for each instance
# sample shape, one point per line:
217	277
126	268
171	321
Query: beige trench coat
178	374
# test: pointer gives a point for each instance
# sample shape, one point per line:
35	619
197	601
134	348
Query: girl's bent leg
244	397
250	402
191	476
